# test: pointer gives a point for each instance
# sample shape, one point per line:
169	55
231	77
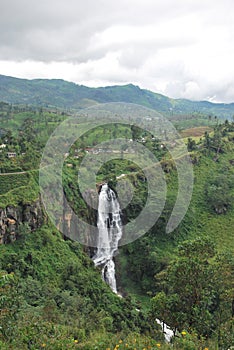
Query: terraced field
196	132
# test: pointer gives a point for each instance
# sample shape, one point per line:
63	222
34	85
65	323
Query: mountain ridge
68	95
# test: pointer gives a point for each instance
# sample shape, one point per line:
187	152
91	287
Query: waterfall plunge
110	232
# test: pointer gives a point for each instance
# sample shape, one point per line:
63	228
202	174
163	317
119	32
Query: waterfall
168	333
109	234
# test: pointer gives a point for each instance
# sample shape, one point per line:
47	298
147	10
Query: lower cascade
168	333
109	233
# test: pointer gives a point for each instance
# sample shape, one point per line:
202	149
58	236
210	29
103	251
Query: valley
52	294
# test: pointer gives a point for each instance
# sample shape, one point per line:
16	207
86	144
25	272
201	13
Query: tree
218	193
136	132
159	306
207	141
192	290
191	144
225	312
9	304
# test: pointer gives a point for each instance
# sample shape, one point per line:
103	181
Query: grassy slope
218	227
18	188
199	220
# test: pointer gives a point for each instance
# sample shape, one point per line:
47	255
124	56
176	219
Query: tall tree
192	290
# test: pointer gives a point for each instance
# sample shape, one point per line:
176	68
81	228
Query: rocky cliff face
76	230
12	217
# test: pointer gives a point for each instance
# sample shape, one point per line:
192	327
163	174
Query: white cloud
182	48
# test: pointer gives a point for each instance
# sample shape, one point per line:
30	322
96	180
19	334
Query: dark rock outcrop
12	217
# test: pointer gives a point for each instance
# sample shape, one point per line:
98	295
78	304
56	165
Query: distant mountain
63	94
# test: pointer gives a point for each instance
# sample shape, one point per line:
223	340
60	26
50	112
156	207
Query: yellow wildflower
206	349
76	341
43	345
158	345
183	333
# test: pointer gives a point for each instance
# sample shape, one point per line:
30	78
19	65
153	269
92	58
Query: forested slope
53	297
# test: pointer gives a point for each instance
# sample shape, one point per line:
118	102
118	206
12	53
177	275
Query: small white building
11	154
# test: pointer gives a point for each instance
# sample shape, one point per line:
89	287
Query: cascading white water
168	333
110	232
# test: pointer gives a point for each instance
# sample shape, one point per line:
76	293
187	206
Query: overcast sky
181	48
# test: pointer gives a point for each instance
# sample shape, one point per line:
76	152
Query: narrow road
18	172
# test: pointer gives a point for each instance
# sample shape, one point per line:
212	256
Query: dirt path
16	173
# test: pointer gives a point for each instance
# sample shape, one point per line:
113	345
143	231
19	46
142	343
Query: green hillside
59	295
67	95
52	296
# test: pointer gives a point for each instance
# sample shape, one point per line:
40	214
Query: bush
219	194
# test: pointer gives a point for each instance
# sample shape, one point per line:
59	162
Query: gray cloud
182	48
62	30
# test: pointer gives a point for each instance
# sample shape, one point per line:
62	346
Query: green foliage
60	296
12	181
58	284
201	219
9	304
219	192
197	294
27	190
191	144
